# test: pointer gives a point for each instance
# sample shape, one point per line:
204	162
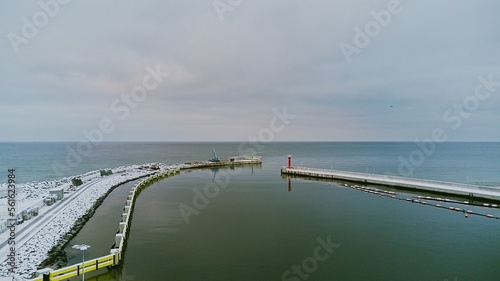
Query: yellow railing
77	270
116	253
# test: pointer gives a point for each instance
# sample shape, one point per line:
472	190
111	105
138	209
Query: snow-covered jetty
117	251
50	226
121	237
467	190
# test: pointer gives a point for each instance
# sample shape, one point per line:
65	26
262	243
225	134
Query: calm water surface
256	229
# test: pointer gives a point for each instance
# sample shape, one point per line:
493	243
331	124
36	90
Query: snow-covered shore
36	237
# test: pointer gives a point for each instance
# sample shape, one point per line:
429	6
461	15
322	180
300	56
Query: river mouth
256	229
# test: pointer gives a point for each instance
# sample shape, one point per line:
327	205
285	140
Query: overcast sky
344	70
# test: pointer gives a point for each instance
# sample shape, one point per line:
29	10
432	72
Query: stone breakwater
57	256
59	227
38	189
43	239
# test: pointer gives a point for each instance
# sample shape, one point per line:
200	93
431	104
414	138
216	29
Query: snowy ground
35	237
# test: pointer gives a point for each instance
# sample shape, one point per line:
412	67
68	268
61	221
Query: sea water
258	227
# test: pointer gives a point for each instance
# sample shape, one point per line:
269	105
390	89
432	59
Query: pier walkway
472	191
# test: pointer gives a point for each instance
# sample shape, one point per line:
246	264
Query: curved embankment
36	238
57	256
118	249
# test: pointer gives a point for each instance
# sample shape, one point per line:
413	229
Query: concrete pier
467	190
117	251
233	161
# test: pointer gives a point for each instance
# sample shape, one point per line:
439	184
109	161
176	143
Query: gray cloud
227	76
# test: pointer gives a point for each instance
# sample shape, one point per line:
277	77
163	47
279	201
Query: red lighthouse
289	160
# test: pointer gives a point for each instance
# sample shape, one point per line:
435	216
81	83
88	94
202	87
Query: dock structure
458	189
225	162
123	228
118	249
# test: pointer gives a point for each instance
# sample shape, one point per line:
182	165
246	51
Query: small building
244	159
57	192
49	200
